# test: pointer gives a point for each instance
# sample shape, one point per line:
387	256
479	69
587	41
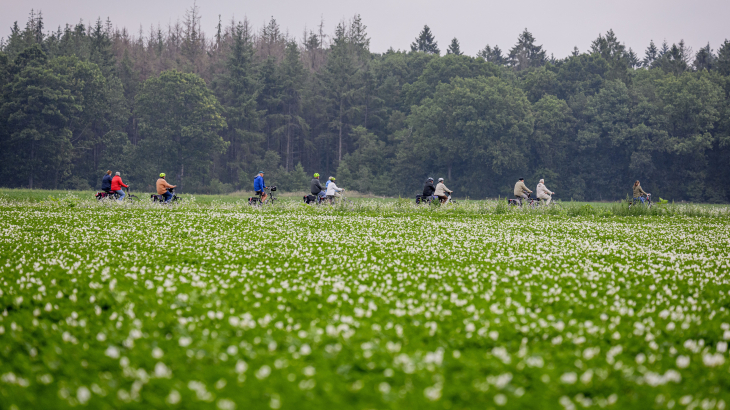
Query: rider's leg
120	193
547	201
520	198
168	196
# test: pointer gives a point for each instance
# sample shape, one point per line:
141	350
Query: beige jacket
520	187
162	186
441	190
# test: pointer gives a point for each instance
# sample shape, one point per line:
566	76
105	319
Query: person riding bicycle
543	192
333	190
106	182
316	187
441	191
117	185
638	192
259	186
428	189
163	186
521	191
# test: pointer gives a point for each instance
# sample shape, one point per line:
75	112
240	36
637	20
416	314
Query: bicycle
531	202
161	198
256	200
645	200
109	195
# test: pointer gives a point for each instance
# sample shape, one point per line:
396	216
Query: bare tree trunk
32	164
339	158
288	140
449	173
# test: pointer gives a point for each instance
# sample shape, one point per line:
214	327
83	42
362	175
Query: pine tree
291	78
425	42
723	58
493	55
238	90
526	53
338	82
454	48
633	59
575	52
650	55
704	59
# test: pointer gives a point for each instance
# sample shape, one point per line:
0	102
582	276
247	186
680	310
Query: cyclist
638	192
333	190
521	190
162	188
441	191
117	185
428	189
543	192
259	185
106	182
316	187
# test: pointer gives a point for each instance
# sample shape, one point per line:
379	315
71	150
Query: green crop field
369	305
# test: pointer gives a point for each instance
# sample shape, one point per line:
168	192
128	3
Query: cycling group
543	194
431	192
328	193
112	188
523	193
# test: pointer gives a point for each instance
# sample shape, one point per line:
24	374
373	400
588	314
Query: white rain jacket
543	192
332	188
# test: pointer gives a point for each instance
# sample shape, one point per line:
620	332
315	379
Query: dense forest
210	111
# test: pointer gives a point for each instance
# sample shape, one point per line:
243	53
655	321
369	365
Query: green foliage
90	97
179	120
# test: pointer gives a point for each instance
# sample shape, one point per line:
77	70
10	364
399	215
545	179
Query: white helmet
441	180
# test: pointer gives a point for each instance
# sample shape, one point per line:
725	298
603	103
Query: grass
214	304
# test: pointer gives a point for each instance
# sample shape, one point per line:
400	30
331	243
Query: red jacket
117	183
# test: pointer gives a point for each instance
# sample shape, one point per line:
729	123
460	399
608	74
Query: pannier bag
418	199
310	199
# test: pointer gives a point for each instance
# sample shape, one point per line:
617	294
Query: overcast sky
558	25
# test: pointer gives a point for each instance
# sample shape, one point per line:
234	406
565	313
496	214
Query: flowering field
216	307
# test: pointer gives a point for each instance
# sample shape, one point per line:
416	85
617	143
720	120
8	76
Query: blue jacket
258	183
106	183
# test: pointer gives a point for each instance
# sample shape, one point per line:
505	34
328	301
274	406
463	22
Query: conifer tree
454	48
723	58
704	59
526	53
426	42
493	55
650	55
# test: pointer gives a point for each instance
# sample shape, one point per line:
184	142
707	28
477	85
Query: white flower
112	351
682	362
162	371
83	394
185	341
569	378
263	372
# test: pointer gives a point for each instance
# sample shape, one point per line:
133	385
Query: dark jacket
429	189
106	183
315	186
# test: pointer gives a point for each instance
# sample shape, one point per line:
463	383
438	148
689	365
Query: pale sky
557	25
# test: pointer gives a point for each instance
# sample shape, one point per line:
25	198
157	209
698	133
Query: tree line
210	111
